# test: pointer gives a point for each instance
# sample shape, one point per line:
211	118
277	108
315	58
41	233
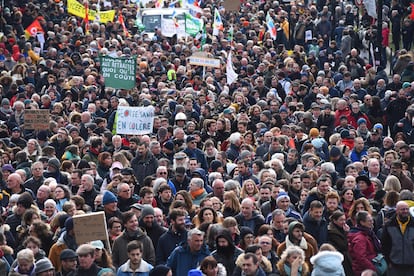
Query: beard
225	250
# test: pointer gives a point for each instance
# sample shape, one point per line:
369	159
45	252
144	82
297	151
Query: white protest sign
135	120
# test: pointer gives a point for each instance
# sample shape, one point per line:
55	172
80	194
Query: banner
37	119
76	8
119	72
135	120
193	26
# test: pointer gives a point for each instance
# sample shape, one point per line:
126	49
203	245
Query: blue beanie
109	197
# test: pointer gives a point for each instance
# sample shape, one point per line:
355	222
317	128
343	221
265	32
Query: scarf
70	242
370	233
288	269
403	225
195	194
303	244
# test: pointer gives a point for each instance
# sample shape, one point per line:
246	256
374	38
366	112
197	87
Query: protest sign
135	120
78	9
119	72
204	61
90	227
36	119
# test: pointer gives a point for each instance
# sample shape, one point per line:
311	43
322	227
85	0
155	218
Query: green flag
193	25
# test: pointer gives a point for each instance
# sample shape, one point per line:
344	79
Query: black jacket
167	243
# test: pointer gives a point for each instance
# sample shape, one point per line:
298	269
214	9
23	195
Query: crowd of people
303	165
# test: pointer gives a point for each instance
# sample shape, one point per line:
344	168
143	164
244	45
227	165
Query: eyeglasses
162	172
265	243
37	169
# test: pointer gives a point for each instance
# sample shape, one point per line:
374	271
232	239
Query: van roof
163	11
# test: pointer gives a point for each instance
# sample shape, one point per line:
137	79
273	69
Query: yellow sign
76	8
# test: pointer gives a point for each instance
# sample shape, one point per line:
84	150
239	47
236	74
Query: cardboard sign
135	120
36	119
231	5
90	227
119	72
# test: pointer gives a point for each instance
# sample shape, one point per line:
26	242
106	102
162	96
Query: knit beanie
108	197
43	265
54	162
147	210
282	195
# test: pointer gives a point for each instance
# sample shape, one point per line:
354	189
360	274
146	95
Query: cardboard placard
36	119
231	5
90	227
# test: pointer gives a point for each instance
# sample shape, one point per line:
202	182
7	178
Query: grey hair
328	167
234	137
292	250
194	232
198	181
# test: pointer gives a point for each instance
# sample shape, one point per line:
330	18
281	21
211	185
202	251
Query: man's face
222	242
132	224
316	213
75	179
42	193
405	154
218	188
247	209
265	194
283	203
110	207
162	173
37	170
69	265
196	242
142	150
85	261
296	184
275	192
86	184
332	204
402	210
249	267
374	166
297	234
278	222
166	195
12	182
359	145
323	187
192	165
148	220
135	257
147	199
179	223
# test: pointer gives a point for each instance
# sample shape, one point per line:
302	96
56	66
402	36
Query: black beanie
159	270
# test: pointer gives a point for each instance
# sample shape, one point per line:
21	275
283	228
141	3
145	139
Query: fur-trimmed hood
264	263
328	263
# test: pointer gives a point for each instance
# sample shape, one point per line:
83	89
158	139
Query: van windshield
151	22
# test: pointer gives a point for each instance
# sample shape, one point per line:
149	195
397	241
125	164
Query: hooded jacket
144	167
167	243
183	260
120	255
227	256
328	263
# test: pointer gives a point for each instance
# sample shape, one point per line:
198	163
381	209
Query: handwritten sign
36	119
90	227
119	72
203	61
135	120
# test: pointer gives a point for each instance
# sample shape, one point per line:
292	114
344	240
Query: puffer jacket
182	259
328	263
362	251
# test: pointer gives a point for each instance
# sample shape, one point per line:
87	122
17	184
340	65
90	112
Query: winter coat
167	243
228	260
265	265
337	237
398	248
120	255
154	232
328	263
183	260
144	167
318	229
253	223
143	269
362	251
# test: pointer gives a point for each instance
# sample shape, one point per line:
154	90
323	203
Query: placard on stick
90	227
36	119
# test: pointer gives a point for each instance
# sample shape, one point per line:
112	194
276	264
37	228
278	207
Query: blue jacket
143	269
167	243
183	260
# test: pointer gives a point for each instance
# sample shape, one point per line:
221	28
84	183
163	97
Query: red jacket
362	251
340	113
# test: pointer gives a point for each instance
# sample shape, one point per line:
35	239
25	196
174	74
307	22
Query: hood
201	172
225	233
328	262
15	48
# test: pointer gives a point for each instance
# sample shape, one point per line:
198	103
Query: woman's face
360	207
389	158
98	254
349	196
362	185
249	187
108	161
49	210
59	193
340	221
292	258
32	246
179	198
24	266
226	202
208	216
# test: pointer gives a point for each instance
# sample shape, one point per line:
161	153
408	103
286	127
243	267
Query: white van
163	19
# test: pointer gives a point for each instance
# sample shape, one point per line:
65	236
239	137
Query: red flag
121	21
412	11
34	28
86	18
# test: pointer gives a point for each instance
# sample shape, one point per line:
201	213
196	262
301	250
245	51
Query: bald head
402	210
